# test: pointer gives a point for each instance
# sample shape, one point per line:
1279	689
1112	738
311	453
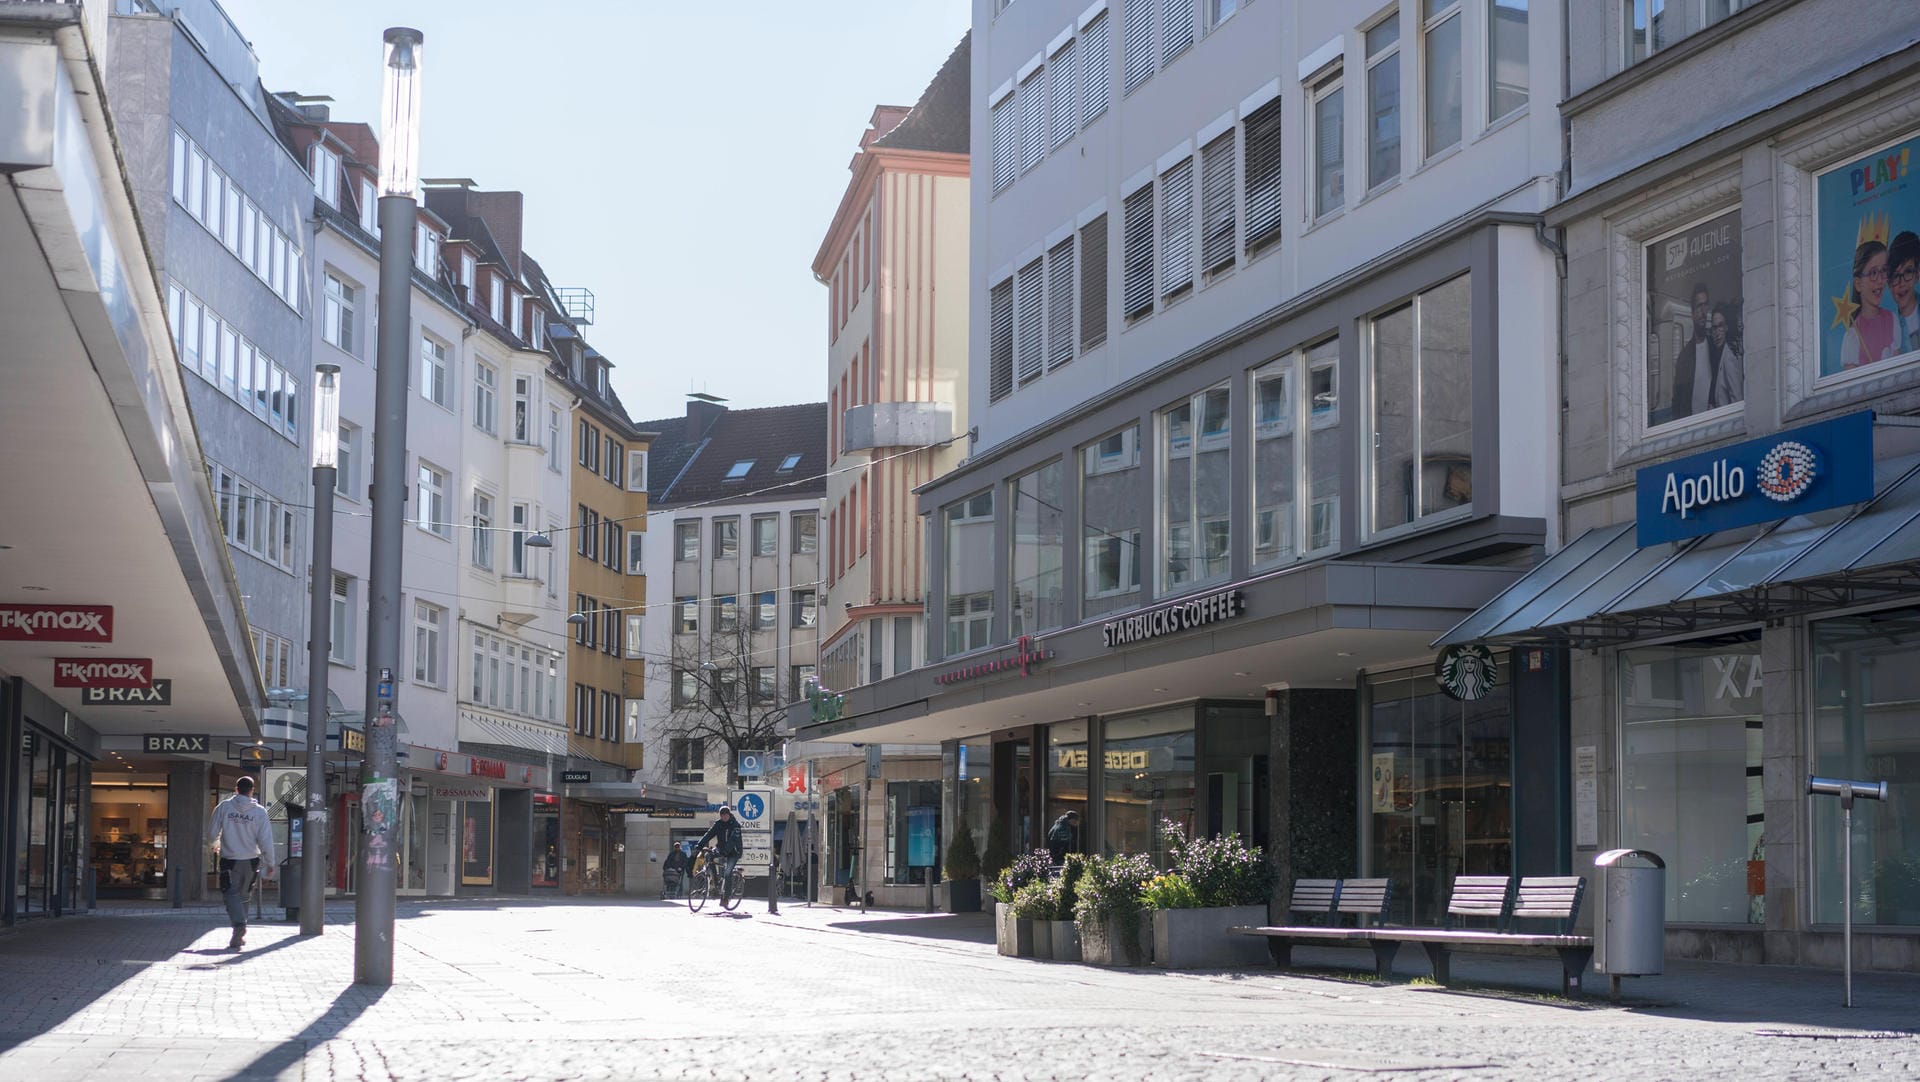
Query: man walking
242	836
1063	836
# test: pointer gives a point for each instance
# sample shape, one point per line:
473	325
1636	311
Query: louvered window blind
1093	283
1217	217
1137	66
1060	303
1004	152
1062	76
1096	68
1262	156
1177	18
1136	283
1029	301
1176	229
1032	97
1000	341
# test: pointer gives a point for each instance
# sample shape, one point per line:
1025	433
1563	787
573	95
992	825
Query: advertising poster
1696	353
920	836
1383	767
1869	226
476	843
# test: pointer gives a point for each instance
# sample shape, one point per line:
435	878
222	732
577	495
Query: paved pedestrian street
537	989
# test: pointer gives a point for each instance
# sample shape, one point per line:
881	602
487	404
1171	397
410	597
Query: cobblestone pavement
560	989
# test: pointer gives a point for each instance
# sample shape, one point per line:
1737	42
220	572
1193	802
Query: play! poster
1869	222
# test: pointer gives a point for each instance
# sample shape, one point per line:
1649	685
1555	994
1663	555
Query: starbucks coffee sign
1466	672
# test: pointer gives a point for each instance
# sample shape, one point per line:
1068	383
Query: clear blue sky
681	160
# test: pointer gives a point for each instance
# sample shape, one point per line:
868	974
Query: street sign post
754	808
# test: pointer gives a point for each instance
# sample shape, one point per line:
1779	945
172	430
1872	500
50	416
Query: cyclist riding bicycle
725	834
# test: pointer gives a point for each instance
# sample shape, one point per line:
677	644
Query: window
726	613
806	610
347	458
1060	303
1096	68
1293	450
340	621
496	297
431	500
522	409
766	535
1195	453
426	251
686	691
276	659
1176	229
587	533
582	709
726	538
429	622
686	615
1176	28
1219	10
614	462
611	545
1029	301
686	540
800	675
1136	64
787	464
637	471
609	716
1063	76
1694	360
1136	282
1647	30
1329	148
765	610
968	527
1000	341
1422	421
482	530
1113	490
739	470
806	527
1032	100
433	371
520	523
610	625
766	686
556	447
688	758
1383	101
516	313
1038	520
1507	56
1219	242
1004	148
336	326
486	397
1442	64
1093	283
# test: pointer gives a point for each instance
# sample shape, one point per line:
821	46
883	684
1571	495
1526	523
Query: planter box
1042	937
1066	940
1102	944
1012	936
963	896
1198	938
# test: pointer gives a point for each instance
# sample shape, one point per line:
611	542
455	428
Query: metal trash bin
1631	934
290	882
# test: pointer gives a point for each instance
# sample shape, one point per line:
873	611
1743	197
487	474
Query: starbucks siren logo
1466	672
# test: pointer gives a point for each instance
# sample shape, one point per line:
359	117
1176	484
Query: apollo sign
56	623
1795	472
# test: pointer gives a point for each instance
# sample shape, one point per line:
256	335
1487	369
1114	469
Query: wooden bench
1541	898
1331	899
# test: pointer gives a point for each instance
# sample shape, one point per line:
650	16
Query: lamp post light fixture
380	778
326	461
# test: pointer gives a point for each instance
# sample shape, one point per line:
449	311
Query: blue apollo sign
1794	472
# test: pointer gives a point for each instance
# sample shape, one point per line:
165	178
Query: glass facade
969	540
1039	542
1690	765
1866	725
1147	776
1114	493
913	832
1196	451
1067	776
1295	410
1422	406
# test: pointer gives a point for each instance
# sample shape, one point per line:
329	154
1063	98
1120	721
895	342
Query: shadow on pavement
103	954
967	928
352	1002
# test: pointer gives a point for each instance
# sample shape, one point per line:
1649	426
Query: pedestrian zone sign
754	808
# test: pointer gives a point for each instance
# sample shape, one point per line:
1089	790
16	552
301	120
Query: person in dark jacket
673	872
725	835
1063	836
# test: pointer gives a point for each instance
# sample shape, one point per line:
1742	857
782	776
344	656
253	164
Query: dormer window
426	250
600	379
740	470
326	175
496	297
788	463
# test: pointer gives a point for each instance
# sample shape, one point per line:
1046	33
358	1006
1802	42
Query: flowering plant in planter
1038	900
1109	889
1221	871
1026	868
1169	891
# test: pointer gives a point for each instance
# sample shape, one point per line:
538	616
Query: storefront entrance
129	834
47	865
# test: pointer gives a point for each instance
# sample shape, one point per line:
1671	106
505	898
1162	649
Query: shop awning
1604	588
485	729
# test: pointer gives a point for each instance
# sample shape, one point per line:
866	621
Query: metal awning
1604	588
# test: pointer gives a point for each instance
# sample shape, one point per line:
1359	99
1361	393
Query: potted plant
963	873
1012	933
1065	930
995	857
1213	884
1034	906
1108	908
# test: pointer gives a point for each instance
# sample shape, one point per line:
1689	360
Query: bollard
773	891
1846	790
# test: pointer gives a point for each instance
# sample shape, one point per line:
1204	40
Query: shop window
1422	420
1690	774
1195	455
1295	410
1147	776
1869	256
1038	521
1113	490
913	832
969	544
1696	352
1866	725
1067	776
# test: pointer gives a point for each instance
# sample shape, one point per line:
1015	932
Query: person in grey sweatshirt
242	835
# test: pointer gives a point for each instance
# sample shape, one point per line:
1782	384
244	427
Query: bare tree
725	689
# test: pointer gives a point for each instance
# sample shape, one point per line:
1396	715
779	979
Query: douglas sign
1795	472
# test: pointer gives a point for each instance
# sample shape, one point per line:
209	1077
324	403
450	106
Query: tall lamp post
326	460
380	782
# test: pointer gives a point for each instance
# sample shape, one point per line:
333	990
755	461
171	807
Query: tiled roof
687	466
939	120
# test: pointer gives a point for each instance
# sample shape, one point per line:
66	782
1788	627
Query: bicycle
704	880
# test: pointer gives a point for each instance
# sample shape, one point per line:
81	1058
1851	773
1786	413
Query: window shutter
1263	175
1029	348
1096	68
1003	148
1176	228
1032	97
1217	218
1137	66
1136	289
1093	283
1060	304
1177	18
1000	341
1061	73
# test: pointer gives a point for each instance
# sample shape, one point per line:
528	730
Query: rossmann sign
56	623
1795	472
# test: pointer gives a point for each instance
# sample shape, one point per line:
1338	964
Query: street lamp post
380	783
326	460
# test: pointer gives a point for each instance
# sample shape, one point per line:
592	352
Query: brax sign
160	694
1795	472
56	623
102	672
176	743
1169	619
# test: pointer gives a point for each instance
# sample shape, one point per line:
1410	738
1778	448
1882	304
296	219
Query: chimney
702	411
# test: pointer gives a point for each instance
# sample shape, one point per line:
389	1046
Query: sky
680	160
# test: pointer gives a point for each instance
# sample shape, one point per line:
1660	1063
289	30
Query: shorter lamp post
1847	790
326	460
